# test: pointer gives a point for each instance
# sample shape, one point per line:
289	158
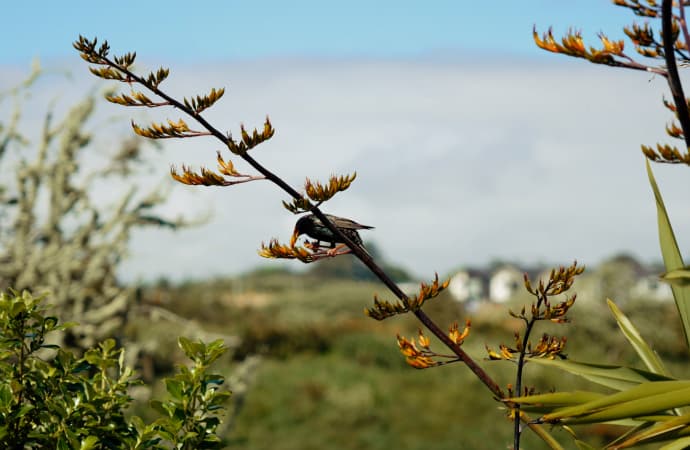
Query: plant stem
541	299
673	78
518	381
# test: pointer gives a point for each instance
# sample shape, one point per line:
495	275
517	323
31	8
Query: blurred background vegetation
329	377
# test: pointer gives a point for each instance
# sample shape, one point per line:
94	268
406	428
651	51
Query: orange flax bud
492	354
423	340
506	353
421	362
226	167
613	47
546	42
674	130
453	333
573	43
269	131
407	347
465	331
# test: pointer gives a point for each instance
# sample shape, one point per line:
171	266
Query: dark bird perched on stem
314	228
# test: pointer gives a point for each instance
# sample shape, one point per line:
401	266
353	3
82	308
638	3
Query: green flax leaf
642	400
671	253
679	277
644	351
614	377
679	444
658	431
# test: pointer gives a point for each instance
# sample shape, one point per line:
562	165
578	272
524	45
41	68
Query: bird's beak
293	239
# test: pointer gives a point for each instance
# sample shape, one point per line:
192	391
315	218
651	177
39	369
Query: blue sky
470	143
222	30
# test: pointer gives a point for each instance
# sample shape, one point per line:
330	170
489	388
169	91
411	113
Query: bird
314	228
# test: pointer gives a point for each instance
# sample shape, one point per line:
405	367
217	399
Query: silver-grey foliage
54	234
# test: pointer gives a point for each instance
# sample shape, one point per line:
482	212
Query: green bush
51	399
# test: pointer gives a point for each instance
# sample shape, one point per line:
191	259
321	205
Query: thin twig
521	363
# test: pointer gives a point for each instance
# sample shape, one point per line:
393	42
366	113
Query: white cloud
458	162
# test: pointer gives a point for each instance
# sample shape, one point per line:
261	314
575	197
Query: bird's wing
348	224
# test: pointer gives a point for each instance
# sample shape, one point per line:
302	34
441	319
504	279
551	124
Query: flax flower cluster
419	354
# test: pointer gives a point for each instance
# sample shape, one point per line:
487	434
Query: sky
470	143
225	30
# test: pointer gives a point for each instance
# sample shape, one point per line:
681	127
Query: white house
650	287
468	286
504	282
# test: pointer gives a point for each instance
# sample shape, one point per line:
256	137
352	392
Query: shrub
51	399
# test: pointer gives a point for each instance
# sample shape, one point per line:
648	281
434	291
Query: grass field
331	378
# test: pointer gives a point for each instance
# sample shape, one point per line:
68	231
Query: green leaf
644	351
88	443
678	277
583	445
157	405
5	396
107	345
63	444
18	307
657	430
678	444
558	399
174	388
24	410
214	378
614	377
543	404
191	349
642	400
671	254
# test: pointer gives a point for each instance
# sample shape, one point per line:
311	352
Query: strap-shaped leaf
614	377
645	352
678	444
559	399
671	255
679	277
656	431
642	400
